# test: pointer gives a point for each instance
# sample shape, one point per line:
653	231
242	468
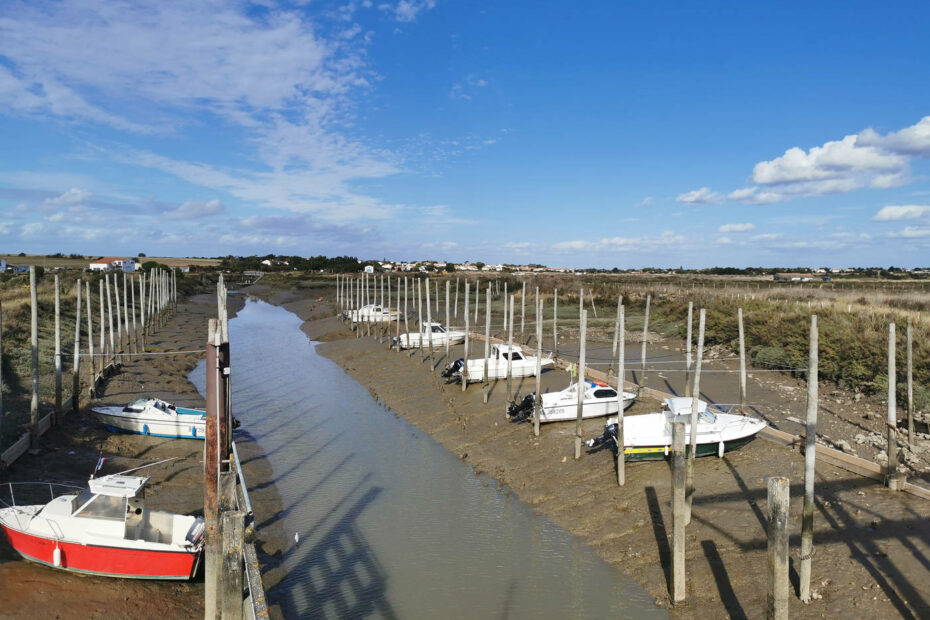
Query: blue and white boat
155	417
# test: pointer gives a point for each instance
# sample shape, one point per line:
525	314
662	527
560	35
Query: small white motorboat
599	400
372	313
440	336
155	417
103	529
521	365
649	436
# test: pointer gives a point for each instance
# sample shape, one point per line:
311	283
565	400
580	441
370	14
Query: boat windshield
605	393
437	329
136	405
100	506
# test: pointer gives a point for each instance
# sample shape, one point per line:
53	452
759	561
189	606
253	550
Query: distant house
112	263
793	277
20	268
369	269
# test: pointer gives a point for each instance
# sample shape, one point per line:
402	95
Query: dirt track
871	544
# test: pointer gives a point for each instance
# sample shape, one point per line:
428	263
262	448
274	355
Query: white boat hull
560	409
416	341
497	368
182	425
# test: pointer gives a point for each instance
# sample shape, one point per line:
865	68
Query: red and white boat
104	529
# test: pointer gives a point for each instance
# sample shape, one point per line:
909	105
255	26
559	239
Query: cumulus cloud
894	213
834	160
913	140
732	228
912	232
752	195
700	196
766	237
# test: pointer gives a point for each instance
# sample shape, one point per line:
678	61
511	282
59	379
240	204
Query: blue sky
577	134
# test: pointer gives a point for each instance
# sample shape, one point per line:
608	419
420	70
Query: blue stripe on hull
123	430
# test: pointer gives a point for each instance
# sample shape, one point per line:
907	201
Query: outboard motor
520	412
606	439
453	368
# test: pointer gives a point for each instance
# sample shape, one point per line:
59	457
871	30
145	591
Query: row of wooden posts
133	322
230	561
353	293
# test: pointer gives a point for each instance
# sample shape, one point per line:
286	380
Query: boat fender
720	449
193	431
666	450
145	429
56	556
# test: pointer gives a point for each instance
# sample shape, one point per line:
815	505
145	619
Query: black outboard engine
607	439
453	368
521	412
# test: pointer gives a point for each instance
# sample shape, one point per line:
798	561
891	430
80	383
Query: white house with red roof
112	263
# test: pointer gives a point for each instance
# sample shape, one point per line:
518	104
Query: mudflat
871	543
69	452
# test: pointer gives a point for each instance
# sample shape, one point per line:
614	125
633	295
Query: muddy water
383	521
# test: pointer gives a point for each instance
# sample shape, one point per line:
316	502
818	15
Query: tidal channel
381	520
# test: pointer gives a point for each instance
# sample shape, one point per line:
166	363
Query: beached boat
599	400
521	365
155	417
103	529
440	335
372	313
649	436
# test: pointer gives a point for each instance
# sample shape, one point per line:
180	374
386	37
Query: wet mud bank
872	544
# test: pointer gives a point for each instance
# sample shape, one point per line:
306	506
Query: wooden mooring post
429	326
695	403
231	587
579	383
613	350
467	340
90	335
487	343
642	357
910	386
679	516
510	353
894	481
742	362
76	361
776	606
810	453
621	371
688	354
447	320
211	514
537	403
523	314
555	322
58	412
34	341
1	374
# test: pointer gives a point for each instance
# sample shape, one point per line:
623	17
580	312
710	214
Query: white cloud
407	10
752	195
646	202
70	197
465	88
724	240
517	245
913	140
731	228
766	237
194	209
832	161
700	196
893	213
623	244
912	232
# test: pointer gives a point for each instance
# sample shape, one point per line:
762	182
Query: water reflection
389	523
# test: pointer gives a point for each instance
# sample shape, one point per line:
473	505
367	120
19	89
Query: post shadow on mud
339	575
661	534
844	528
724	587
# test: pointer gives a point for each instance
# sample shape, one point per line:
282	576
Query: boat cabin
436	328
140	404
680	409
114	507
503	352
